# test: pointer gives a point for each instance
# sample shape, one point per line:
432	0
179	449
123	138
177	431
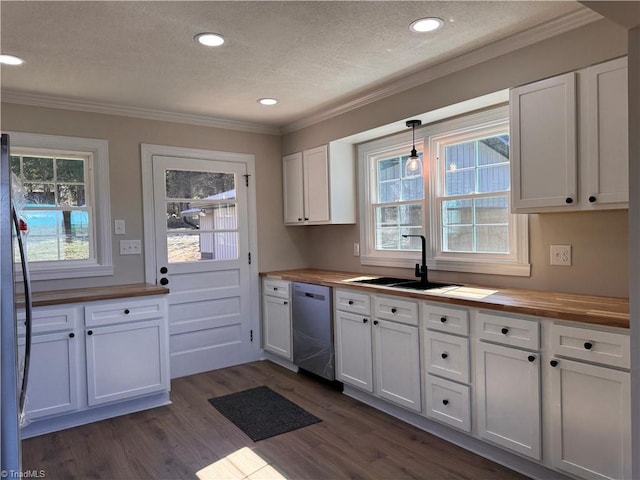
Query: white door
201	230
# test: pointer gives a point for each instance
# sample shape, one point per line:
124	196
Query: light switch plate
560	255
119	227
356	249
130	247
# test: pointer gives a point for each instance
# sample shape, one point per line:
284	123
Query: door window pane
200	185
202	226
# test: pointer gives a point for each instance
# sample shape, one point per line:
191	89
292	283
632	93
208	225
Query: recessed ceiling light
426	25
10	60
209	39
267	101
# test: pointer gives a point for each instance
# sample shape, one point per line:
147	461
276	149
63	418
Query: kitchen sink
414	285
403	283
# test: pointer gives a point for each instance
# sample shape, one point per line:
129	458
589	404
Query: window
397	202
65	201
461	206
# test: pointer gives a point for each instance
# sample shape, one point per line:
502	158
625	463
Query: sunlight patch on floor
239	465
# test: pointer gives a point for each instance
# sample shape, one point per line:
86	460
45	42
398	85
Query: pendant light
413	166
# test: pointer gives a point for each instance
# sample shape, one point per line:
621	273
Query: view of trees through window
55	206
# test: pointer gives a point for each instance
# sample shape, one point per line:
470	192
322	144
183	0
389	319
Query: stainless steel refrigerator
14	365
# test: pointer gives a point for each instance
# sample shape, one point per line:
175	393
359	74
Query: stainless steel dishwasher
313	329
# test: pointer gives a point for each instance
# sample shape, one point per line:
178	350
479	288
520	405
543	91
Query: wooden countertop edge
508	300
92	294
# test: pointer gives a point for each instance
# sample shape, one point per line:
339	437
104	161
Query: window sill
67	272
465	266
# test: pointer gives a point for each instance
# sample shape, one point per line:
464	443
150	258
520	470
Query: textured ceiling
309	55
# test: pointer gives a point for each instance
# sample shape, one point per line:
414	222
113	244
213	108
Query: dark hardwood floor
191	440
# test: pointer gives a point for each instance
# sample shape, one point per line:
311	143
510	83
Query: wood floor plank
191	440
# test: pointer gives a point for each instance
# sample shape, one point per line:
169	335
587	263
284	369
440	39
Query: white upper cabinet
569	141
293	183
606	144
319	185
543	143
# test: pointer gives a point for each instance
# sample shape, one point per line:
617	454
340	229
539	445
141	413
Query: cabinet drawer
446	319
49	319
276	288
447	356
123	310
509	331
349	301
596	346
397	310
448	402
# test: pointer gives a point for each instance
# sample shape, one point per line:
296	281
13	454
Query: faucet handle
418	270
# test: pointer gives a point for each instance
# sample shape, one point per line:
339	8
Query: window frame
516	263
100	262
368	154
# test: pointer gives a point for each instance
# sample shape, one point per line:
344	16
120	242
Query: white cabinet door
353	350
397	363
126	360
591	420
508	398
606	149
316	184
277	326
293	183
544	143
53	375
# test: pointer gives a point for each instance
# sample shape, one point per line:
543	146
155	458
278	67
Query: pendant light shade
413	165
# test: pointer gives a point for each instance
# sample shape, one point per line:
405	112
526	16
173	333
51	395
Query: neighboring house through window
460	202
64	198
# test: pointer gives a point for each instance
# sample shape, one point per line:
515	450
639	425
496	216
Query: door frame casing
147	151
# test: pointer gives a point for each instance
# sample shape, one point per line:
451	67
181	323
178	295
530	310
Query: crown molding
519	40
37	100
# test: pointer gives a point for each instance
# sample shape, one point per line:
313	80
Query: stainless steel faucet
421	269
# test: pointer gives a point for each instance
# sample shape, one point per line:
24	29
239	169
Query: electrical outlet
356	249
130	247
561	255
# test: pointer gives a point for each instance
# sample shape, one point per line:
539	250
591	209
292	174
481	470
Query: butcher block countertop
607	311
92	294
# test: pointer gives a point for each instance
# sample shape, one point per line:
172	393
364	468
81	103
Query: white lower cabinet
518	382
125	361
588	404
508	398
397	363
379	355
276	318
448	402
53	375
119	354
354	355
591	425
